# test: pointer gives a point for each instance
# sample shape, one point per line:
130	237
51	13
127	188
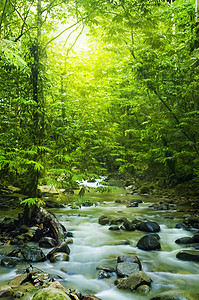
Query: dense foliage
128	103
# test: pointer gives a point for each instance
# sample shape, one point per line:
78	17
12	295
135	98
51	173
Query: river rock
106	268
177	295
133	281
18	280
59	256
189	255
143	289
47	242
128	225
148	226
184	240
182	226
149	242
91	297
132	258
9	262
62	247
104	220
103	275
133	204
118	221
126	268
51	293
32	252
6	291
195	238
114	228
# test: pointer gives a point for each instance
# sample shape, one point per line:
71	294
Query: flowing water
94	245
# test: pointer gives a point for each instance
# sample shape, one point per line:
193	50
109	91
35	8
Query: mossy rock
51	293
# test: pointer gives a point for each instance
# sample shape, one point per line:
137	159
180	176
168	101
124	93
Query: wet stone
188	255
149	242
51	293
148	226
184	240
18	280
104	220
133	281
114	228
9	262
129	226
103	275
132	258
59	256
47	242
6	291
143	289
126	268
62	247
106	268
32	252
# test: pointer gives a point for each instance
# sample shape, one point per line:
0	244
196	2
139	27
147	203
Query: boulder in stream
149	242
59	256
132	258
188	255
62	247
148	226
128	226
32	252
184	240
50	293
104	220
133	281
9	262
126	268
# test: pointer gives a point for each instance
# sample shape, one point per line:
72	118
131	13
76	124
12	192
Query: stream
95	245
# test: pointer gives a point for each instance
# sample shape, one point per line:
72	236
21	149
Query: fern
12	54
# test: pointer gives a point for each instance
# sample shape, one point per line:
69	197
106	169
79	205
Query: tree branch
54	38
177	121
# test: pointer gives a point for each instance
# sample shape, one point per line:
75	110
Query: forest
126	103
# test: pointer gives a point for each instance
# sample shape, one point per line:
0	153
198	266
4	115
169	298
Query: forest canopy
127	102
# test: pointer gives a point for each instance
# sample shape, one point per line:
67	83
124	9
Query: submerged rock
51	293
189	255
149	242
